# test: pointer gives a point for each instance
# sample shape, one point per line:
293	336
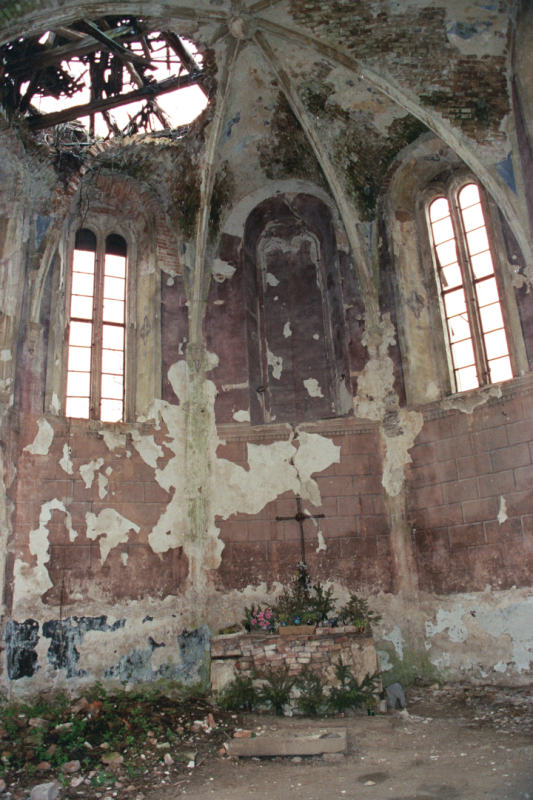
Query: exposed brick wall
355	526
256	653
471	93
463	465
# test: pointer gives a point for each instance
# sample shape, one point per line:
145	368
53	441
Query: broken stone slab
334	740
45	791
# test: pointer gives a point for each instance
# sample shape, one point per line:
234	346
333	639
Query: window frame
102	227
450	190
97	322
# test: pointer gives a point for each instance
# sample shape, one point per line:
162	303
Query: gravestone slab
331	740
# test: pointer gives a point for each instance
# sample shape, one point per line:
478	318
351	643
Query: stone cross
300	517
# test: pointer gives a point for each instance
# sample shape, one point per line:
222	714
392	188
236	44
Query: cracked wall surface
285	343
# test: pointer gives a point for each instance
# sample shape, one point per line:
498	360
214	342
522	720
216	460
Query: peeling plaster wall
484	636
128	545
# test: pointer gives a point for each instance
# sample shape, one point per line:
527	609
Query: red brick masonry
257	652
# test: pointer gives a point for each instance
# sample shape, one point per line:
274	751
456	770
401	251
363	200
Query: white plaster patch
376	400
222	270
502	513
467	402
242	416
180	346
147	448
102	485
45	436
316	336
212	486
87	471
396	638
315	454
276	362
112	526
313	387
170	281
113	440
5	355
31	581
55	404
501	666
452	621
384	659
65	462
287	330
513	620
321	542
124	558
271	279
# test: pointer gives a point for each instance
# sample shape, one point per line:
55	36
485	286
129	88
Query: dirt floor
460	742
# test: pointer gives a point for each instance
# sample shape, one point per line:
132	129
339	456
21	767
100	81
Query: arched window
96	348
469	289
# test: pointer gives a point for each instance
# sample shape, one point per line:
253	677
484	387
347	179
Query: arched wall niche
425	167
296	342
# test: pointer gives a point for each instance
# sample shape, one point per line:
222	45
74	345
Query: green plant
350	693
311	687
239	695
276	689
300	600
356	612
324	601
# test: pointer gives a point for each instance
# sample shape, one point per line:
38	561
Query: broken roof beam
186	58
148	92
106	40
80	48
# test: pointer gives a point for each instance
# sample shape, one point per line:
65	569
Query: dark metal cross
300	517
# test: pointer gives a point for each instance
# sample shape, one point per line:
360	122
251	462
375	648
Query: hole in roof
113	76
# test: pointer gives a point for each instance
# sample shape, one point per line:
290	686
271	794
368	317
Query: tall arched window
95	376
469	289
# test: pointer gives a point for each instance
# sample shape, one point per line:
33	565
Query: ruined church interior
266	274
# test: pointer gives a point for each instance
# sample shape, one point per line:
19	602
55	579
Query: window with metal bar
95	373
469	290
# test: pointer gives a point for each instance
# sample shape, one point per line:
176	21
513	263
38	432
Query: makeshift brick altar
318	649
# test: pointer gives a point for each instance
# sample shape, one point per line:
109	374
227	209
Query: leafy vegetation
276	689
350	693
239	695
312	698
104	725
356	612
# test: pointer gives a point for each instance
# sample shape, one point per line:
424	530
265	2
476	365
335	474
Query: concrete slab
333	740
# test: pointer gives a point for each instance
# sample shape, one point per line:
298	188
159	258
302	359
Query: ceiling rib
345	207
409	101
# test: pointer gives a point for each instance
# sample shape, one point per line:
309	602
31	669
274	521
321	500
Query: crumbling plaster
481	636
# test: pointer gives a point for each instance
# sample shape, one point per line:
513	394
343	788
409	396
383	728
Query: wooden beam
57	54
186	58
145	93
113	46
